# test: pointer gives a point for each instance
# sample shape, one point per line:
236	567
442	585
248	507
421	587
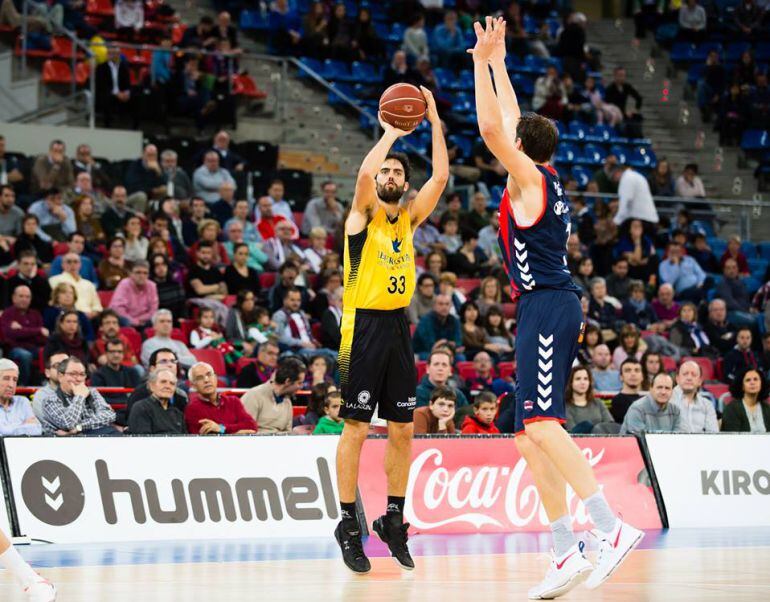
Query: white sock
21	570
603	517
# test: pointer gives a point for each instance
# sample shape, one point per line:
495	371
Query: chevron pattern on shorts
527	280
544	371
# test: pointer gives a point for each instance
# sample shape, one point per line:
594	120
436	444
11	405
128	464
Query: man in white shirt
696	408
635	197
88	300
689	185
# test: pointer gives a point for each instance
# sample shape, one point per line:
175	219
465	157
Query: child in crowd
264	328
438	417
483	420
208	334
331	423
318	371
450	236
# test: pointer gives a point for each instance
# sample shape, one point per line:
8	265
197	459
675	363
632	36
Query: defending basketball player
376	359
534	227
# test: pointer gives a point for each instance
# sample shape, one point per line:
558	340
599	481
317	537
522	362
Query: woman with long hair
688	335
631	345
67	337
241	318
585	273
63	298
137	243
591	338
29	239
639	250
475	338
86	221
498	333
584	411
171	295
661	179
749	411
435	263
238	275
652	364
490	294
113	268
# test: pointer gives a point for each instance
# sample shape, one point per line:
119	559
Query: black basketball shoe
395	536
352	550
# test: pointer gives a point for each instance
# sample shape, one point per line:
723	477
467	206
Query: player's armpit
425	201
365	197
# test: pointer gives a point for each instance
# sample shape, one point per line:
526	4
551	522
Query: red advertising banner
482	485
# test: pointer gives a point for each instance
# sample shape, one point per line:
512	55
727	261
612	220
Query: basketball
403	106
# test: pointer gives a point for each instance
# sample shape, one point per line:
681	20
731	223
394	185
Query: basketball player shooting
376	359
534	227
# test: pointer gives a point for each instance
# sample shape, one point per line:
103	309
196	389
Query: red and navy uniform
549	315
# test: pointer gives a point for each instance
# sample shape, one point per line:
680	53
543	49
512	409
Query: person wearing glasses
161	359
74	408
114	373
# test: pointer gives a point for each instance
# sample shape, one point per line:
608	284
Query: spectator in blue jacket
735	295
448	44
436	325
637	309
683	273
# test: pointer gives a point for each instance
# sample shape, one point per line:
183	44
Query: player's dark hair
538	136
404	160
443	391
289	370
484	397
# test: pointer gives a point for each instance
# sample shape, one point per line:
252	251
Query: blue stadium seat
381	28
464	144
254	20
621	153
749	249
704	226
345	89
755	140
758	267
718	246
396	34
534	65
464	103
578	130
465	81
642	158
683	52
752	284
582	175
600	134
445	78
512	61
592	155
703	50
336	71
523	85
365	73
694	74
312	64
734	51
566	153
764	250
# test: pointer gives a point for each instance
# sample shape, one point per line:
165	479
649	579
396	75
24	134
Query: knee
355	431
400	434
537	432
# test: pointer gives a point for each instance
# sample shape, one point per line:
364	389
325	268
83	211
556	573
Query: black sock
395	509
349	517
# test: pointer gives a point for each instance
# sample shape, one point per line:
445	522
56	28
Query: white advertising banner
165	488
713	480
5	522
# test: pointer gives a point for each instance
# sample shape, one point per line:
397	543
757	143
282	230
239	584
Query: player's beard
390	194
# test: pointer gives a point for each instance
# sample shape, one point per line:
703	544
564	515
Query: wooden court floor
468	569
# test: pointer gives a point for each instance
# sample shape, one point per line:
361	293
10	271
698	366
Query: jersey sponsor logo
557	187
390	261
409	403
397	245
362	402
560	208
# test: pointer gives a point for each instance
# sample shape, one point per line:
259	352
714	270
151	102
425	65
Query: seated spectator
450	237
109	329
478	215
637	310
56	221
331	423
692	22
436	325
163	358
208	335
324	211
422	301
280	249
701	252
145	180
315	404
212	413
683	273
484	379
51	383
331	320
435	263
632	379
178	183
171	295
427	238
483	420
734	252
222	208
652	364
601	310
136	243
329	282
206	281
748	19
689	184
295	333
469	261
474	337
437	418
23	332
63	298
653	413
606	377
52	170
114	372
416	40
67	337
448	43
488	237
661	180
287	274
113	268
136	297
27	275
319	370
618	93
697	409
619	282
16	418
74	408
30	239
585	273
550	98
749	411
280	205
490	294
630	344
438	373
209	177
761	303
735	295
584	411
116	213
76	243
665	308
162	323
208	234
248	233
688	335
259	372
317	250
270	404
158	414
718	329
502	341
741	356
241	327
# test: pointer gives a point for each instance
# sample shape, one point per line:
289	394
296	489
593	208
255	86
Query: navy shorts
549	326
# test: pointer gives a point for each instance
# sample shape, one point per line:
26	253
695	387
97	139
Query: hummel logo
52	487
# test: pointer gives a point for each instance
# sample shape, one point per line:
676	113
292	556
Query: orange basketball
403	106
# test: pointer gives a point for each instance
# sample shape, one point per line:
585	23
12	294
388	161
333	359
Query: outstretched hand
490	40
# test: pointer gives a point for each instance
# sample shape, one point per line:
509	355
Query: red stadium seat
509	311
243	362
267	279
466	370
706	366
422	369
717	389
719	370
213	357
105	297
317	330
56	72
100	8
298	215
244	85
134	338
82	73
468	284
60	248
506	369
176	334
669	363
187	326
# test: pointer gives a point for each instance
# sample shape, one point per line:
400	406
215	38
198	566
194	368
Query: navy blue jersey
535	256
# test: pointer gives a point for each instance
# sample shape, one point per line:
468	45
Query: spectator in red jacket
23	331
483	420
208	412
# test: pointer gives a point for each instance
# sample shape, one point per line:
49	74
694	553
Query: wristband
221	429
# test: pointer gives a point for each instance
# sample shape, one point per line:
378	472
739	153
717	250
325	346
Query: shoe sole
571	584
622	559
396	560
352	570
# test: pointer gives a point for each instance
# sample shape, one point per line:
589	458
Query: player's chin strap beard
391	197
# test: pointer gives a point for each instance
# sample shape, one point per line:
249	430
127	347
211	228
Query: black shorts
377	365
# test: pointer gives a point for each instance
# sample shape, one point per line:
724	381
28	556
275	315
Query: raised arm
506	97
427	199
490	116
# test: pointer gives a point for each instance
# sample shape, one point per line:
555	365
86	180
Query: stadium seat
336	71
100	8
582	175
717	389
762	52
600	134
56	72
752	140
313	64
749	249
254	20
523	85
243	362
752	284
506	369
764	250
422	369
267	280
683	52
669	363
465	370
642	158
244	85
468	284
734	51
365	73
706	366
464	144
134	339
176	334
694	74
213	357
566	154
177	31
620	152
592	155
509	311
105	297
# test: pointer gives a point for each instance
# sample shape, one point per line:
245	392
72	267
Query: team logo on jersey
560	208
557	187
397	245
528	405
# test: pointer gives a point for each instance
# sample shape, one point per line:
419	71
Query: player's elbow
490	130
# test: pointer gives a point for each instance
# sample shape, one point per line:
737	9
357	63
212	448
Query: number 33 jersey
379	264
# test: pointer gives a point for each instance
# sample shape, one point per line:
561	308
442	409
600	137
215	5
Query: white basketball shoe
614	547
41	591
564	573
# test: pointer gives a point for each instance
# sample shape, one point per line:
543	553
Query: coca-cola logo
480	495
